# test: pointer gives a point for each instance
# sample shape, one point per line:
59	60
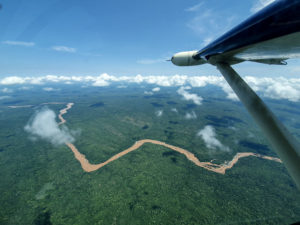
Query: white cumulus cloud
174	110
12	80
189	97
104	80
48	89
227	89
279	91
208	135
156	89
101	83
159	113
44	126
270	87
191	115
148	92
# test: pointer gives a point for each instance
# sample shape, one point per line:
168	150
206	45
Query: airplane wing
270	36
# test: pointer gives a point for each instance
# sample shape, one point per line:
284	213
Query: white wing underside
273	51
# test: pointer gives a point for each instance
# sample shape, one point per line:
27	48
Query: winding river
221	169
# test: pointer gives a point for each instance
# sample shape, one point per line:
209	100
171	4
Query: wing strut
282	141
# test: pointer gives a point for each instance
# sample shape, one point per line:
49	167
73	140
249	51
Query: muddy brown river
217	168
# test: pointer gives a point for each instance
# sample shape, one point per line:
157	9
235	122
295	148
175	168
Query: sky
121	38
